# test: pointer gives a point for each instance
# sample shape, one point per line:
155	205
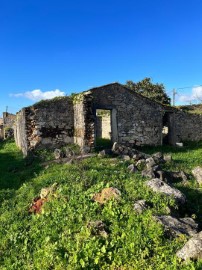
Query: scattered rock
107	194
150	162
69	153
148	173
121	150
167	157
115	147
36	205
140	164
158	158
156	168
159	186
161	175
136	157
58	153
197	173
179	144
105	152
47	191
125	157
132	168
140	206
98	228
170	177
144	156
184	177
174	227
192	249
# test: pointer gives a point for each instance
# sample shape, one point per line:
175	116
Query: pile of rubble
160	181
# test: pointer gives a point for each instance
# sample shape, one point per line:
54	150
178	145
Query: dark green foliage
148	89
103	143
59	238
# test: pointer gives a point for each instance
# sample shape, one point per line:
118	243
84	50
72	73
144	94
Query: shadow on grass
188	146
14	169
194	203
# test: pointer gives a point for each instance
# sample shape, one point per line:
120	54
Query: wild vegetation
59	237
147	88
194	108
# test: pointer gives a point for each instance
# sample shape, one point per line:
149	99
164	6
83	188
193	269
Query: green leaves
60	237
148	89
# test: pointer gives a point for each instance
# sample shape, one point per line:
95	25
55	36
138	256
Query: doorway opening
166	130
103	128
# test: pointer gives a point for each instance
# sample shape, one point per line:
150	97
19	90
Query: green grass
59	237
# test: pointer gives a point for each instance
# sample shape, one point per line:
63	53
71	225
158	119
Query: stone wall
135	120
20	131
1	129
1	132
8	124
188	127
84	121
46	124
138	120
55	123
103	126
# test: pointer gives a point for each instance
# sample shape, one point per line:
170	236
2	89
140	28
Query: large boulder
192	249
197	173
175	227
159	186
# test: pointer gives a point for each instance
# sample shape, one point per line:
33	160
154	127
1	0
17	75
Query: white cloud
197	92
185	98
195	96
37	94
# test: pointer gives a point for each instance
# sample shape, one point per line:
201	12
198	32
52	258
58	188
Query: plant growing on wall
148	89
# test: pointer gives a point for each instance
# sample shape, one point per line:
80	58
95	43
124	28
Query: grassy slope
59	238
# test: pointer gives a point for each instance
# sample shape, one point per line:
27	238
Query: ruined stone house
1	129
7	124
132	120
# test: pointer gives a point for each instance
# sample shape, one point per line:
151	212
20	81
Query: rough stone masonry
134	119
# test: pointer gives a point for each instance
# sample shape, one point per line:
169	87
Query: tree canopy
148	89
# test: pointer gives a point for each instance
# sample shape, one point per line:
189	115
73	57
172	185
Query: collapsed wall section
48	124
8	124
188	127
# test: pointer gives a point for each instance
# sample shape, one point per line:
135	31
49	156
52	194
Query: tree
148	89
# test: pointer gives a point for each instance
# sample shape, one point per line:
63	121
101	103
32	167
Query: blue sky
59	47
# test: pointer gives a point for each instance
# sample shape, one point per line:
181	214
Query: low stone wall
188	127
